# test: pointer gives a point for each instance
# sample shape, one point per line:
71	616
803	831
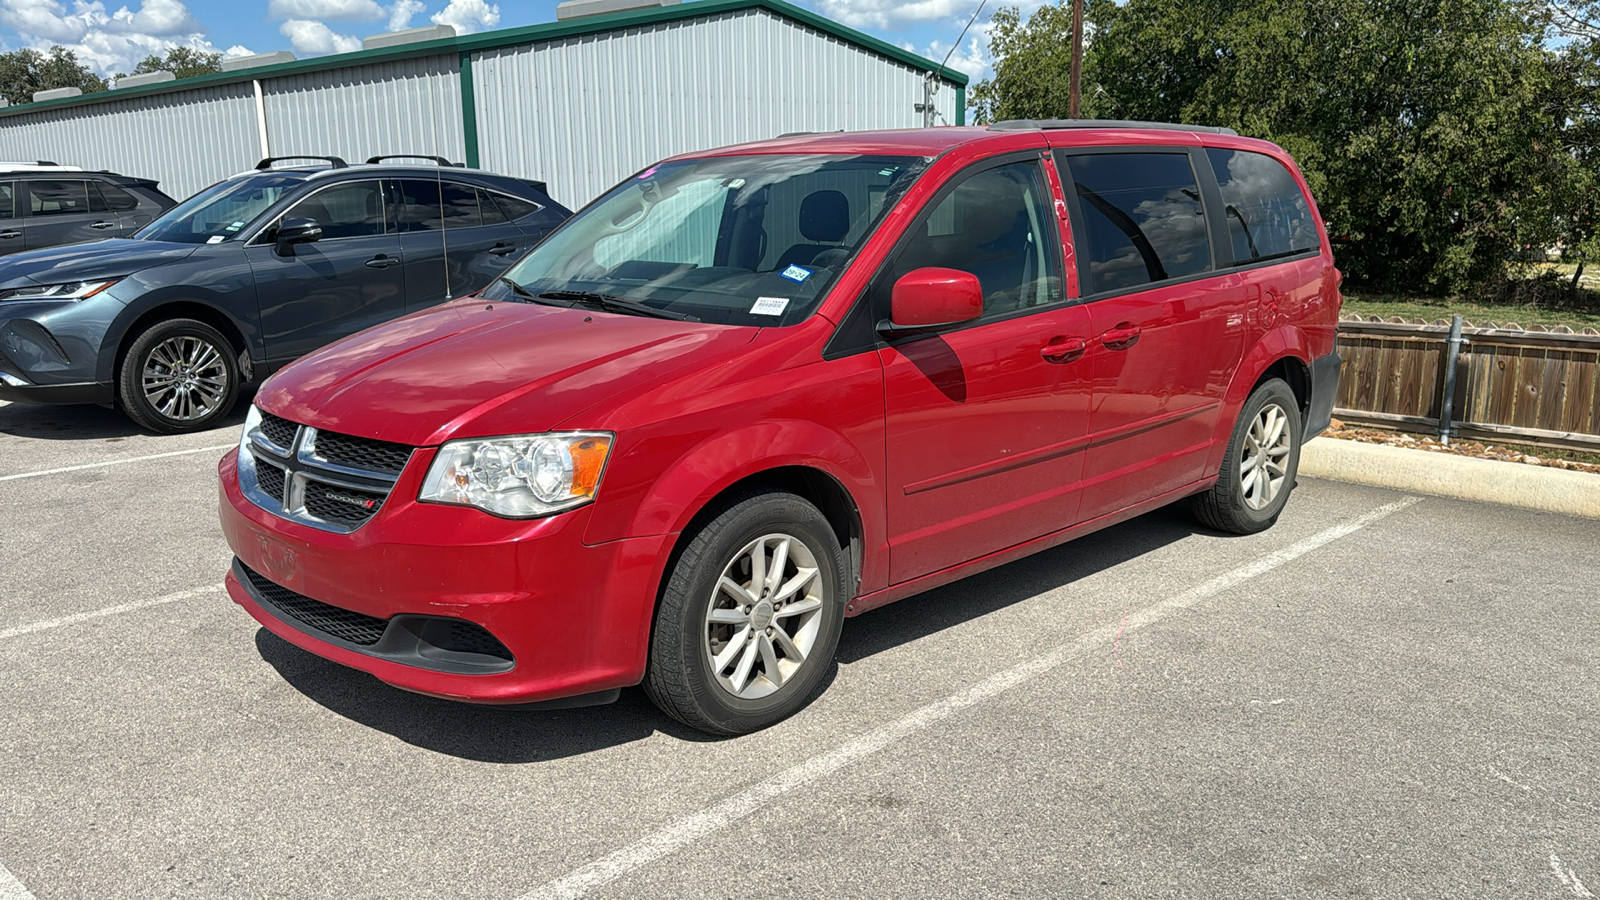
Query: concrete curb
1446	475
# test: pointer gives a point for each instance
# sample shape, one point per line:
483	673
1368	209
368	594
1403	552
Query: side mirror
296	231
930	298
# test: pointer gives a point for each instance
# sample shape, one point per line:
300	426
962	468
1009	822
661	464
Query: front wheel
1259	468
178	376
749	621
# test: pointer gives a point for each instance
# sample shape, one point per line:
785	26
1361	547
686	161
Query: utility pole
1074	98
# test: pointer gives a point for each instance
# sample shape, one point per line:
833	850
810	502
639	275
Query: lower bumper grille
351	627
440	643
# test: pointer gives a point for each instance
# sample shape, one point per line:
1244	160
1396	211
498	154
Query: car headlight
71	290
519	476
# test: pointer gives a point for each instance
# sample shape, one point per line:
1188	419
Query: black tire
679	677
1228	506
201	397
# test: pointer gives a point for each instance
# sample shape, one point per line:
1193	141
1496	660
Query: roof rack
265	164
374	160
1045	124
41	165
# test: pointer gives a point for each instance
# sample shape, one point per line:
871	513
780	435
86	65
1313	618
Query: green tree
22	72
1441	138
184	62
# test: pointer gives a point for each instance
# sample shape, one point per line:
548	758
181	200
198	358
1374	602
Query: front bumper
574	618
1324	391
50	353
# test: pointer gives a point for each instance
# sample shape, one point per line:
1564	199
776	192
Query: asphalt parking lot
1383	696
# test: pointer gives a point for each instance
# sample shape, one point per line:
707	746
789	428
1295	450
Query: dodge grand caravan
751	392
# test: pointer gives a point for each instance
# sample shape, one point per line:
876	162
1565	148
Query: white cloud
106	42
337	10
400	13
315	38
467	16
973	60
883	13
237	50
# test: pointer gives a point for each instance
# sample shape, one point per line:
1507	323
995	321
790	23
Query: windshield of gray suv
743	240
221	211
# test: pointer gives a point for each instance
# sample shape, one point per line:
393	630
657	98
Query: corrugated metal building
579	104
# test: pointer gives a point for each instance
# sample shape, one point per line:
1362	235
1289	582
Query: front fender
1282	342
665	502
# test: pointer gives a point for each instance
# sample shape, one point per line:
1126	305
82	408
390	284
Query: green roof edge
509	37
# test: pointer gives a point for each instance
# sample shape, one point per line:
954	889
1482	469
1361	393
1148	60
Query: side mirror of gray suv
296	231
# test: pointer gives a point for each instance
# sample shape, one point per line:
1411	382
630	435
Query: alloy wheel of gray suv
179	376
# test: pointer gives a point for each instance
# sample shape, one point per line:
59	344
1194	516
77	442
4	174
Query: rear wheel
1259	468
750	618
179	375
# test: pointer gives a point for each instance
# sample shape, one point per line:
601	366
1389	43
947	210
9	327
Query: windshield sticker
216	239
235	226
796	274
769	306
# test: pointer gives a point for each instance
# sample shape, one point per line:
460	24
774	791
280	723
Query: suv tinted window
431	206
513	207
57	198
997	225
1267	214
7	204
1139	219
348	210
113	197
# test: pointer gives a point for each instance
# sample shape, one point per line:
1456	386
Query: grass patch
1430	308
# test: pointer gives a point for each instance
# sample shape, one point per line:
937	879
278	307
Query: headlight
71	290
520	476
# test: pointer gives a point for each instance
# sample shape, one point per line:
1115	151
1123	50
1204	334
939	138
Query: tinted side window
998	225
431	206
8	206
58	198
114	197
348	210
1140	219
1267	214
492	214
514	207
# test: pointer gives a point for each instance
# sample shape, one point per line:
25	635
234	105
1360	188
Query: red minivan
753	391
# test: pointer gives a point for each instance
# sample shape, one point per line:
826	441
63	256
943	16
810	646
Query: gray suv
46	205
250	274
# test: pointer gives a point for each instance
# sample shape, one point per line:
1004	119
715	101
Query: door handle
382	261
1063	349
10	233
503	249
1121	337
104	225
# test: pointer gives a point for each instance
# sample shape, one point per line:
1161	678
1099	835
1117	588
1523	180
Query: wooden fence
1536	386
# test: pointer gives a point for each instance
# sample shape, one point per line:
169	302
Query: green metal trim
961	104
469	111
511	37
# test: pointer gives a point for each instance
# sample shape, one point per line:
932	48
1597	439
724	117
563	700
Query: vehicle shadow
88	422
512	736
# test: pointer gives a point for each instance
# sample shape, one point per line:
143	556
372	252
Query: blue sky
112	37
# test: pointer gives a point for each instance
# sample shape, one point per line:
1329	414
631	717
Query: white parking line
108	611
116	462
689	830
11	888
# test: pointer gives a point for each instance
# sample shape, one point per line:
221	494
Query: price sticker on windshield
769	306
797	274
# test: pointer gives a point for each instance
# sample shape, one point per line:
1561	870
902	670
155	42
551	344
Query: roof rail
265	164
1045	124
374	160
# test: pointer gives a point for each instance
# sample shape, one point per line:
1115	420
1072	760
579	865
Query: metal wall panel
585	112
409	106
186	139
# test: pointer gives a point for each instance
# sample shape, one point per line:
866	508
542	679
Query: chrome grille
335	482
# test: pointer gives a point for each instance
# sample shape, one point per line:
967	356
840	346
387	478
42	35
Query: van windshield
219	212
744	240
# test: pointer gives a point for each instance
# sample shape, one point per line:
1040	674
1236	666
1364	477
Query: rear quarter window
1267	215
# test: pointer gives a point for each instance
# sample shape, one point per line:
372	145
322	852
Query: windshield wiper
609	303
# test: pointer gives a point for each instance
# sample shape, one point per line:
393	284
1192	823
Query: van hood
471	368
87	262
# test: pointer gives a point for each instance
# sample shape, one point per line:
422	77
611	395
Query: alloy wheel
1265	461
184	378
764	616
